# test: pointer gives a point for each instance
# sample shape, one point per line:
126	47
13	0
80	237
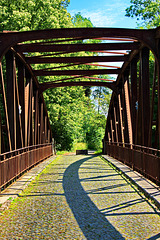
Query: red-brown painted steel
80	60
133	115
14	163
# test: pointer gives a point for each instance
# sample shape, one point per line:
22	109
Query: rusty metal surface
14	163
142	159
133	115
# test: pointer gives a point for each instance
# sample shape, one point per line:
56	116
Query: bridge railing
14	163
142	159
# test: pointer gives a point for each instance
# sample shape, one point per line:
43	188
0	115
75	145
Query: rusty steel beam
118	119
41	123
128	108
138	137
83	76
5	108
158	74
115	123
152	105
86	33
39	59
113	53
19	133
116	39
11	96
145	88
134	102
30	111
121	117
76	72
100	65
100	79
21	87
45	86
76	47
26	112
10	39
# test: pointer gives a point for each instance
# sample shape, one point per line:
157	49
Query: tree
146	11
22	15
79	21
70	109
101	99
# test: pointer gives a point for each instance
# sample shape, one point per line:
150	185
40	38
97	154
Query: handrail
145	160
20	160
133	145
23	149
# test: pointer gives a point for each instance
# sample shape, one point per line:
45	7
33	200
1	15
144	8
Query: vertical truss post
11	96
152	106
41	125
158	72
5	108
112	130
45	128
21	87
115	122
124	115
30	112
19	133
118	120
0	135
49	136
26	112
109	137
128	110
145	90
138	137
133	70
121	118
32	124
36	118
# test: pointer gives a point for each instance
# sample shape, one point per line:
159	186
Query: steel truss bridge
133	124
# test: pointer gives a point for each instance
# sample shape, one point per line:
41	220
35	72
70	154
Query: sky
103	13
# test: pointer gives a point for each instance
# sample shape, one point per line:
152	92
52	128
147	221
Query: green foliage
147	11
73	115
79	146
80	21
22	15
101	99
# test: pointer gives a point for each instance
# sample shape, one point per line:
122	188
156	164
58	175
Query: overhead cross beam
45	86
75	47
76	72
80	60
124	47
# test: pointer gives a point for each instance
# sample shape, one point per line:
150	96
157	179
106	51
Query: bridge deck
81	197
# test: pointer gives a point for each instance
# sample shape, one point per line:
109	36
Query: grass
98	151
76	146
79	146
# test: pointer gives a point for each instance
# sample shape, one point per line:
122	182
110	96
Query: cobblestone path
80	197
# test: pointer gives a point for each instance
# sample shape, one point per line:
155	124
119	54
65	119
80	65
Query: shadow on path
92	222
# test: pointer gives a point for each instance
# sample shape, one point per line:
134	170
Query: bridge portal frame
132	110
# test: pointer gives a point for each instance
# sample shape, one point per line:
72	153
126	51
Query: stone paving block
149	188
